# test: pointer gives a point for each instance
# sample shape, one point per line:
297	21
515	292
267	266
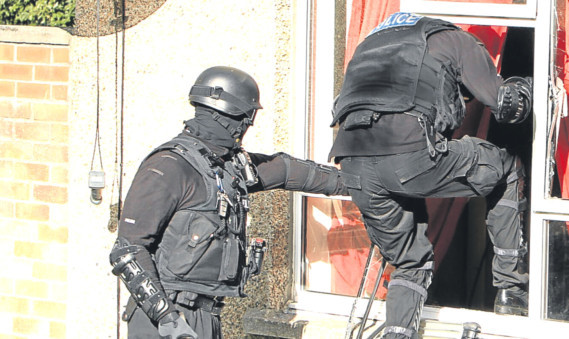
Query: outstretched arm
281	170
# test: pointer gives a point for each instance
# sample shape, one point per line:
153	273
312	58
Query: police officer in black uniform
182	246
403	90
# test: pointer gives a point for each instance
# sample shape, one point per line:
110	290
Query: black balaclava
216	128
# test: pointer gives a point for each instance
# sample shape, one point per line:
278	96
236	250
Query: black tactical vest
391	72
203	248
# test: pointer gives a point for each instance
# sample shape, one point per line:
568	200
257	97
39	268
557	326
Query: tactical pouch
360	119
187	246
230	259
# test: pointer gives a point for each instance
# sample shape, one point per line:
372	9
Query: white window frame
543	207
490	10
324	31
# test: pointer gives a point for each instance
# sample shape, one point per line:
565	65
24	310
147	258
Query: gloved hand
173	326
515	100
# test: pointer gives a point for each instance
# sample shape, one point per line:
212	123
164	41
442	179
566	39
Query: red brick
16	72
7	169
50	194
16	150
49	309
59	133
26	326
6	52
14	190
33	289
33	54
34	131
7	209
50	112
7	88
32	172
60	55
28	249
32	90
28	211
7	109
50	234
14	304
59	175
52	73
58	92
10	109
45	271
51	153
6	129
23	110
57	330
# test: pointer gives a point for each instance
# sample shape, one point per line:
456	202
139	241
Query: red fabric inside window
562	63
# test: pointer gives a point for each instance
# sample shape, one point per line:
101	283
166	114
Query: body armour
203	248
391	72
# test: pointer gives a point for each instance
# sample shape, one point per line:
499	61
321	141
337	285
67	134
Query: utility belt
210	304
436	142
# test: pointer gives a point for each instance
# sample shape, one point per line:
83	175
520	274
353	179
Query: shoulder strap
198	156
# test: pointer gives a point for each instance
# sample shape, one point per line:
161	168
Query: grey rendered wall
143	76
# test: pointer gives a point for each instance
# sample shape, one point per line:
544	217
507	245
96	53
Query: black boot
513	300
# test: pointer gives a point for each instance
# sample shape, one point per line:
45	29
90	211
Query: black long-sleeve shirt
400	133
166	183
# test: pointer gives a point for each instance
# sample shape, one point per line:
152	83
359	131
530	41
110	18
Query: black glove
173	326
514	100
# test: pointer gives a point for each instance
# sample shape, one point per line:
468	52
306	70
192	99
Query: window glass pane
335	243
558	122
474	8
558	271
487	1
337	248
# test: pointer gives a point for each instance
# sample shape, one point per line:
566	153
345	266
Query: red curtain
562	58
366	14
444	214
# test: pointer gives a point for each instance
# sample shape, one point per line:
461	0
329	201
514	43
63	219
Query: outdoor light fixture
96	184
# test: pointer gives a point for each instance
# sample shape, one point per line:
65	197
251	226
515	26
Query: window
557	270
474	8
557	148
331	244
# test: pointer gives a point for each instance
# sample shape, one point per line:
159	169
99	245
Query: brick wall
34	135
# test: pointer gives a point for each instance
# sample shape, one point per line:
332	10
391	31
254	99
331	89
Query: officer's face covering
222	130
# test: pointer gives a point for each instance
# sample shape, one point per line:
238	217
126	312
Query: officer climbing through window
401	94
182	244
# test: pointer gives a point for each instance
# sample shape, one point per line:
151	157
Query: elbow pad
308	176
514	100
148	294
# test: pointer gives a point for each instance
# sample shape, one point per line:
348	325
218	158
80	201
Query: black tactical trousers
205	324
392	205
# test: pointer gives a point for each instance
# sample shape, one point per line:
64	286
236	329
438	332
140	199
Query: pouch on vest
360	119
188	239
230	259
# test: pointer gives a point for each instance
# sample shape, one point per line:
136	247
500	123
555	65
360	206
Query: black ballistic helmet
227	90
